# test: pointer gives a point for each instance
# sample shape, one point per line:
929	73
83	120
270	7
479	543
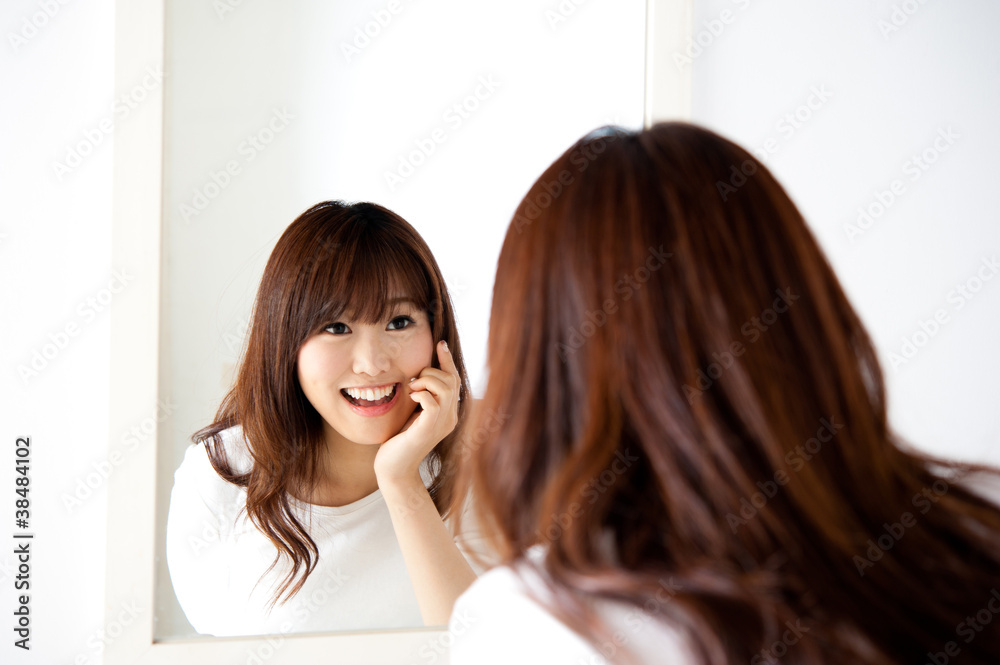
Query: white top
496	622
216	557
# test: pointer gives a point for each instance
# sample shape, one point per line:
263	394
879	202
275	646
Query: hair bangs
371	269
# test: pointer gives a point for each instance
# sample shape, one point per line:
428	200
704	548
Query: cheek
418	354
316	363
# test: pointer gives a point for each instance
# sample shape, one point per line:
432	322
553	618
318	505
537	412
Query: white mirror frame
135	334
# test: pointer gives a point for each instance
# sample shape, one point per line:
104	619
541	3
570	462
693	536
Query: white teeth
368	393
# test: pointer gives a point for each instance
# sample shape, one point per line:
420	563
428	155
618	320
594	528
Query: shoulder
196	469
495	619
503	612
233	444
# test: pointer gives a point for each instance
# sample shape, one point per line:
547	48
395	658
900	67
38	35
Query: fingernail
412	379
446	346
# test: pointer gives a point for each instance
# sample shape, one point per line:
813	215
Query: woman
696	465
311	502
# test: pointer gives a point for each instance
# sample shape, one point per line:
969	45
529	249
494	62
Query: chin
373	433
374	436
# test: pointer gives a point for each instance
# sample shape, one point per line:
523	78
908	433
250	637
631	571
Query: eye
337	329
400	322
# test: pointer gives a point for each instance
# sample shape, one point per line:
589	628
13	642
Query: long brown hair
335	259
696	415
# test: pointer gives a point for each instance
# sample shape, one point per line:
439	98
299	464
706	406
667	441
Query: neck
346	471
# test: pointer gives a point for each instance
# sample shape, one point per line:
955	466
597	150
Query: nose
371	355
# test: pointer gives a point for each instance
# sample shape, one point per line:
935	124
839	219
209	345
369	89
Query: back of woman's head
335	260
688	395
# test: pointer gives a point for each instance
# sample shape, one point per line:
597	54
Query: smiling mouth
362	402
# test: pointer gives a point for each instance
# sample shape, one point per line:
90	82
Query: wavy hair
335	259
696	421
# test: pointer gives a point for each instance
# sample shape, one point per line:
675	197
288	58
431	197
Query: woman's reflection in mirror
314	500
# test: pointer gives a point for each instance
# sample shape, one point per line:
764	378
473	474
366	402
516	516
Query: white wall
55	256
887	80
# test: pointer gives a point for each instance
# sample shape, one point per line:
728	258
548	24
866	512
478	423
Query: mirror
442	111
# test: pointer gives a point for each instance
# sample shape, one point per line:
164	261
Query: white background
892	91
891	94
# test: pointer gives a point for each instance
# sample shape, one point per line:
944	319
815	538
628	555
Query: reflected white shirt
216	557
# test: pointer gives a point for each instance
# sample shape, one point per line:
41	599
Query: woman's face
357	375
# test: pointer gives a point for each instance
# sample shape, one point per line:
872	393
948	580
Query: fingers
439	381
426	400
441	415
445	359
434	384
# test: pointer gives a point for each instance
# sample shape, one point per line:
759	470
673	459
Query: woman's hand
436	390
438	570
